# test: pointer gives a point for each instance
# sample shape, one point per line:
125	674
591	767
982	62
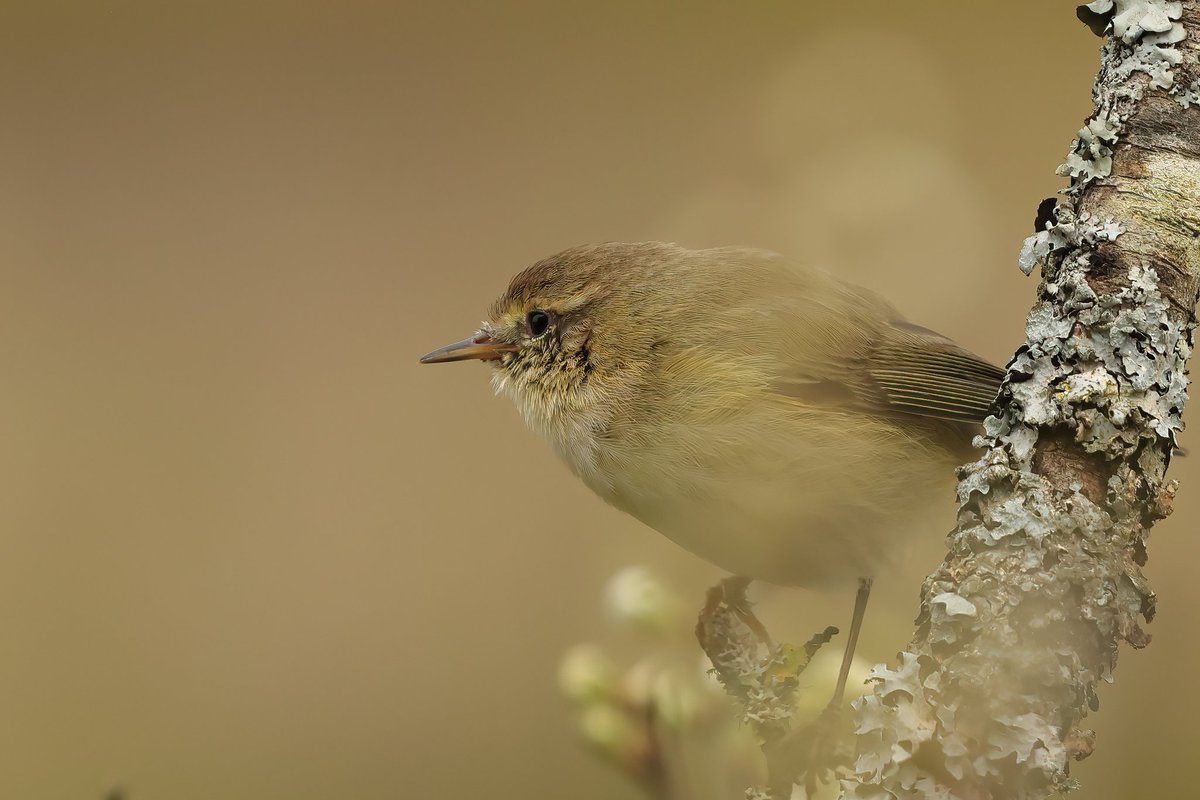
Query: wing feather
916	371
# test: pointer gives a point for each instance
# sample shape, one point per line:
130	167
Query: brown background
250	548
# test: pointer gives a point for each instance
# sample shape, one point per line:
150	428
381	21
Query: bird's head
576	331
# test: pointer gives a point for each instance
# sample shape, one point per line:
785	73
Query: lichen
1144	38
1091	152
1134	380
1131	19
1187	96
1048	247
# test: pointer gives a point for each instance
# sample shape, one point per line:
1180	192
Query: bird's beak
480	347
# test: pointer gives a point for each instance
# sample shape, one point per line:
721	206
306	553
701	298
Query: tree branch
1043	579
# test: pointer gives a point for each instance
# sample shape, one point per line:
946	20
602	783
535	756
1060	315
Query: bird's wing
913	370
840	345
858	352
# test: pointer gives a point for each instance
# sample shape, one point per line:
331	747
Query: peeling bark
1043	580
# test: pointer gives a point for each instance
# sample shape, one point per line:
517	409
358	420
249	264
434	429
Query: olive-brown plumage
770	418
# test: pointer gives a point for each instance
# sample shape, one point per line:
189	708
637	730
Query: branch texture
1043	580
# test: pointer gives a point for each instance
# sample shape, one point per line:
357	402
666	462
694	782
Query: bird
781	423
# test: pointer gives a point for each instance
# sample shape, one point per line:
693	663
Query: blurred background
250	549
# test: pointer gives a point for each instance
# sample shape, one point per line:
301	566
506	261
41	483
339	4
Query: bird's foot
734	594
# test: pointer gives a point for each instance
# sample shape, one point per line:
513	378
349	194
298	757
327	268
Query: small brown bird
770	418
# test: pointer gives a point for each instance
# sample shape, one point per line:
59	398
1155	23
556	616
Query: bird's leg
734	590
812	752
860	611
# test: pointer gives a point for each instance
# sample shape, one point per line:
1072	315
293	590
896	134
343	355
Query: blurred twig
662	722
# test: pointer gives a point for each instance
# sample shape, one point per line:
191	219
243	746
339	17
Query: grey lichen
1144	39
1091	152
1131	19
1064	235
1187	96
1121	341
1043	580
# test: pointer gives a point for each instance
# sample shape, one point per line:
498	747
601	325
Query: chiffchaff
770	418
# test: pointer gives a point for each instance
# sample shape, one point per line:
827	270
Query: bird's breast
754	484
793	497
573	423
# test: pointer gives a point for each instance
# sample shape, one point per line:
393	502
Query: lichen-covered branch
1043	580
764	685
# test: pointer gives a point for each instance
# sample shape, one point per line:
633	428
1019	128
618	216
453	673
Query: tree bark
1043	577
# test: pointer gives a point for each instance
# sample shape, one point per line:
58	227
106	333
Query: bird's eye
538	321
